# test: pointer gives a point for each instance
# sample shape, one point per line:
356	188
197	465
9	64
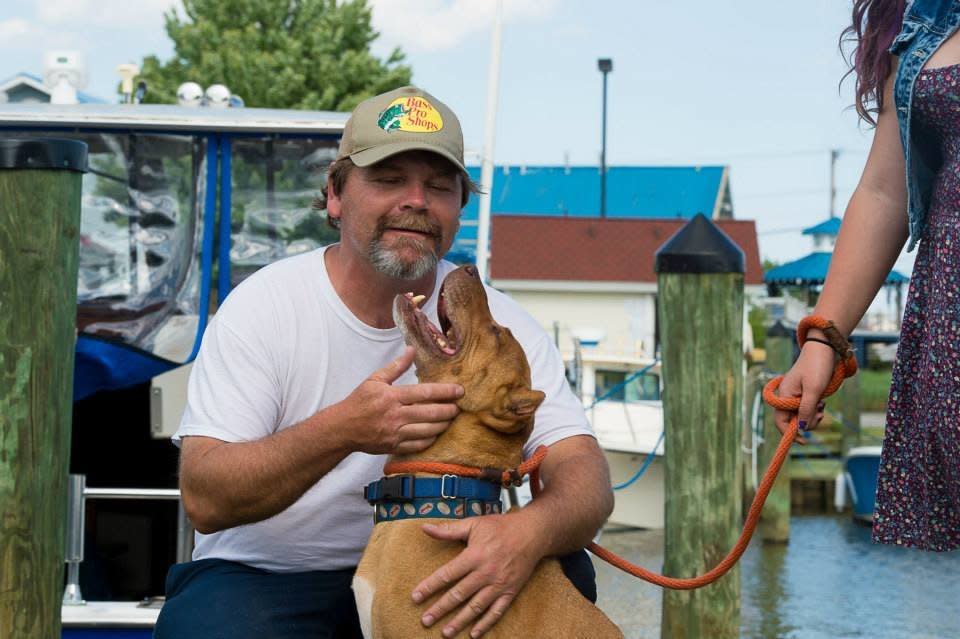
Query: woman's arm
872	235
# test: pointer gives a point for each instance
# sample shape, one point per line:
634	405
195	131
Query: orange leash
846	367
505	478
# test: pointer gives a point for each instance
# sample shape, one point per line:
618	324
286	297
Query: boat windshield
145	200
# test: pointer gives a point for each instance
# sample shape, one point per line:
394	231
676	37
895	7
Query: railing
77	496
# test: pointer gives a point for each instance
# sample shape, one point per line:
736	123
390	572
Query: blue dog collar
403	488
446	497
434	508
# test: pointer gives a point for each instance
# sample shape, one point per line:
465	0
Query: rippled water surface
830	581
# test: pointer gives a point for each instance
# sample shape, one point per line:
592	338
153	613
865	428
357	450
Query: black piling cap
43	153
699	247
779	329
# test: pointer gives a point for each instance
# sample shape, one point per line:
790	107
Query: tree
296	54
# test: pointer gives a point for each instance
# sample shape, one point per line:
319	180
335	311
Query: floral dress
918	490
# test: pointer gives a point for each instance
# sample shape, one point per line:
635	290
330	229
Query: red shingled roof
536	247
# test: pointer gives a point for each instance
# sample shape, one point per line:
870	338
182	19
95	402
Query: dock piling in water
775	518
40	189
700	287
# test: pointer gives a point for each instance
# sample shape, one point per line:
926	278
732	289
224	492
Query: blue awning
828	227
811	270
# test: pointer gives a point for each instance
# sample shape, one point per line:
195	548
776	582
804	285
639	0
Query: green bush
874	389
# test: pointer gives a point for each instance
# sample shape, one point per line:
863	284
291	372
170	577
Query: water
829	582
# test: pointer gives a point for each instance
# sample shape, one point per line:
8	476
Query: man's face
401	214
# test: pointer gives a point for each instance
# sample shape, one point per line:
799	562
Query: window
627	386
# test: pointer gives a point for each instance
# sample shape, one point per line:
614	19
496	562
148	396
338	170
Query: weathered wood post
700	286
40	187
775	518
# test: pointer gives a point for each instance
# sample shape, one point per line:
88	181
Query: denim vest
926	24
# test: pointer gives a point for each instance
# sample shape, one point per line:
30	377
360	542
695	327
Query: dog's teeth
418	299
442	342
408	295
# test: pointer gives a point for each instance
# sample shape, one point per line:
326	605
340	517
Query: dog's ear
513	409
523	402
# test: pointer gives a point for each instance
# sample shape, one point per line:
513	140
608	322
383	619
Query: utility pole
834	154
605	65
486	164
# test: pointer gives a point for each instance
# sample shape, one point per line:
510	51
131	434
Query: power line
770	194
754	155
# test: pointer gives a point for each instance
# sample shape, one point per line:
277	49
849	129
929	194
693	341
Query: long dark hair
875	25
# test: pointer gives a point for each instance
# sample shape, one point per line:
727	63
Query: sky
753	84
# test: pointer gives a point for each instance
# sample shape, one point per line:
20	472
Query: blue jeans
214	599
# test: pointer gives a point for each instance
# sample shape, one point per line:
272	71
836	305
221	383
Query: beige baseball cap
405	119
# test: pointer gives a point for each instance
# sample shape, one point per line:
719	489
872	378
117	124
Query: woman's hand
807	379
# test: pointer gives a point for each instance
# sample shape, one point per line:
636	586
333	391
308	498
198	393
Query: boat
178	206
861	467
621	396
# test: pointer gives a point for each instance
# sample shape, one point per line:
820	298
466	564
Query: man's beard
389	260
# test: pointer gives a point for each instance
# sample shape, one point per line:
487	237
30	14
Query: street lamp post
606	66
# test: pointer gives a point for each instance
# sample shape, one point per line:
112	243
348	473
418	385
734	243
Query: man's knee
209	599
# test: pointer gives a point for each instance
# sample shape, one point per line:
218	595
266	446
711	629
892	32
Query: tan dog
496	419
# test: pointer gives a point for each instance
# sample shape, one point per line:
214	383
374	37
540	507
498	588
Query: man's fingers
476	607
441	580
492	616
427	413
453	531
422	430
415	446
429	392
392	371
459	595
443	576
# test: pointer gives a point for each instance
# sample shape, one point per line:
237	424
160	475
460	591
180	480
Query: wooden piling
774	524
700	287
40	188
850	411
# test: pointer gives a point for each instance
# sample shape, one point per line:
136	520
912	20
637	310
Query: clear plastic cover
141	226
275	185
140	239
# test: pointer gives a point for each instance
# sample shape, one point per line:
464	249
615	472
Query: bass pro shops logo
414	115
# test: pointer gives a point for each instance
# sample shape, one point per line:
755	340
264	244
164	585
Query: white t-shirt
284	346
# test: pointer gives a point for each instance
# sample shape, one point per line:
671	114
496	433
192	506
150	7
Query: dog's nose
471	270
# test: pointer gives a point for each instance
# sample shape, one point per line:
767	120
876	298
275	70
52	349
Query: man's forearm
229	484
576	499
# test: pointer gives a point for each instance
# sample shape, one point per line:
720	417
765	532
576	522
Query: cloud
102	13
19	37
17	30
435	25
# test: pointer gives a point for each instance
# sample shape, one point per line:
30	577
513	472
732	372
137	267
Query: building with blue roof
574	191
811	270
26	88
809	273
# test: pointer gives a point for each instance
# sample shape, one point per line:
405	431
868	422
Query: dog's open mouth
414	323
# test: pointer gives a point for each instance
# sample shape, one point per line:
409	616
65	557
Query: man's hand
402	419
485	578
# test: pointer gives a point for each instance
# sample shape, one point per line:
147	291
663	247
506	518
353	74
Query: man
286	423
